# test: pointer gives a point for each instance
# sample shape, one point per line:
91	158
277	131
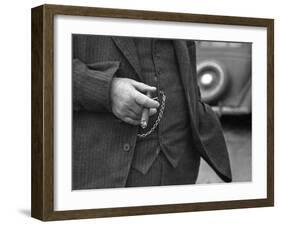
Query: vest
173	135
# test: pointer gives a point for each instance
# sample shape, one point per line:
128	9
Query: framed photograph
142	112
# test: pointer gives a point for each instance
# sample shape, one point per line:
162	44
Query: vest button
126	147
157	150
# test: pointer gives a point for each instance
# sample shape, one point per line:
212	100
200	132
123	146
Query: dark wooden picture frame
43	120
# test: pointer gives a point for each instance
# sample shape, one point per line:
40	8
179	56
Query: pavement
238	134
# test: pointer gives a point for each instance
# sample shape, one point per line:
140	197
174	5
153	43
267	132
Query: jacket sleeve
211	142
91	85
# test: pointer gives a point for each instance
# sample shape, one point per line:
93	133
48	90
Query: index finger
145	101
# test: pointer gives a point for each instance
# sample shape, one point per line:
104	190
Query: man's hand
128	100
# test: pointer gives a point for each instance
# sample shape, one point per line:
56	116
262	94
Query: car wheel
212	80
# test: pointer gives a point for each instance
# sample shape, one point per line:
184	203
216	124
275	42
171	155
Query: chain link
160	115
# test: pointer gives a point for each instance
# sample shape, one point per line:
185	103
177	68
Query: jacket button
126	147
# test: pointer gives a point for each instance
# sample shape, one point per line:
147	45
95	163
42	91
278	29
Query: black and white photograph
160	112
149	112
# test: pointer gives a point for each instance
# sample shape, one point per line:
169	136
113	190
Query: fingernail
143	124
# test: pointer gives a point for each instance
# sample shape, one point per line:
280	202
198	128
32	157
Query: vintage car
224	76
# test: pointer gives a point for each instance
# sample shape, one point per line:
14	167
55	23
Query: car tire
217	82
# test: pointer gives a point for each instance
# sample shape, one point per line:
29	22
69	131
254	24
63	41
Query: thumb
143	87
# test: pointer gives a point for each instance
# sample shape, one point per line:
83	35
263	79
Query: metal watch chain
160	115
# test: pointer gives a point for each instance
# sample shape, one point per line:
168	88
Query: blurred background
224	79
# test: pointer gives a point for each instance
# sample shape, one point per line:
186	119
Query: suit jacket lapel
128	48
186	72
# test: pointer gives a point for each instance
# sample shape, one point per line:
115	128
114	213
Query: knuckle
146	102
115	111
119	113
138	111
122	108
126	120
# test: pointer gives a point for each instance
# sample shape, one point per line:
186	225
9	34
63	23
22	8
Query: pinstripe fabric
163	173
159	68
99	156
91	88
146	148
102	146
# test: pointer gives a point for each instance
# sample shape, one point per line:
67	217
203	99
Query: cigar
145	114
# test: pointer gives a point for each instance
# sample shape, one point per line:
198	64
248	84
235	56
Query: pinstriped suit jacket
103	146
